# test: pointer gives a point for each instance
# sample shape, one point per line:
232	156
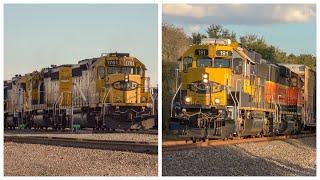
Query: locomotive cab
205	75
125	77
127	99
217	77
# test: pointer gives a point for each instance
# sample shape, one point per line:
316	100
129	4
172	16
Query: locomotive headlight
126	78
205	77
217	101
188	99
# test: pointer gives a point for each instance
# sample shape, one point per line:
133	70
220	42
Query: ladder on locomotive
59	108
104	104
217	128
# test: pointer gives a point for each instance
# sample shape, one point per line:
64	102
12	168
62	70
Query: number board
112	62
129	63
201	52
223	53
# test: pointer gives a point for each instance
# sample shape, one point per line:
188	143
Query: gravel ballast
46	160
152	138
293	157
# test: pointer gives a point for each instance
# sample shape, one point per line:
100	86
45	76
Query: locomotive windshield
125	70
101	72
217	62
221	63
204	62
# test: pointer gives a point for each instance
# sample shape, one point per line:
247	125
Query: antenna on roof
104	54
214	41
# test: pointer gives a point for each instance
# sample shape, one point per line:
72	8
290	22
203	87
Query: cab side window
101	72
294	82
237	65
187	63
253	69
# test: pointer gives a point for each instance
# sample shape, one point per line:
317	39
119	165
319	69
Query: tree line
258	44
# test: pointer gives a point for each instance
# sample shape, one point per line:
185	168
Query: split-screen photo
203	90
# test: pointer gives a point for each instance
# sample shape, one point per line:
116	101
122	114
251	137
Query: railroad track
150	131
84	131
132	146
174	145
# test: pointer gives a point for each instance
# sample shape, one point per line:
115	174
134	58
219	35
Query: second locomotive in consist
227	91
109	92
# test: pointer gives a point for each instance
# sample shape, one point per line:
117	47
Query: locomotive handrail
67	93
237	91
55	108
153	99
81	93
107	94
57	101
105	91
228	88
174	98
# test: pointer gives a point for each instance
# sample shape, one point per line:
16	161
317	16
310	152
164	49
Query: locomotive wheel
193	139
204	139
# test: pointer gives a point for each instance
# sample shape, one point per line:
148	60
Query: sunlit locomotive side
109	92
55	97
127	99
308	93
228	91
17	100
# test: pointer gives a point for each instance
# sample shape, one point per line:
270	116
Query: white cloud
194	28
179	9
239	13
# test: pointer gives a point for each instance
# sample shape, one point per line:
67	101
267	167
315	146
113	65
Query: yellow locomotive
228	91
108	92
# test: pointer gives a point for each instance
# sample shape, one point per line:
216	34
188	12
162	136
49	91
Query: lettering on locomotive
125	86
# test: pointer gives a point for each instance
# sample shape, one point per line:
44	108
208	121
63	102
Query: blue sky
292	28
36	36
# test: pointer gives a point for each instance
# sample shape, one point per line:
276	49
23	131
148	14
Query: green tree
214	31
174	43
218	31
259	45
197	37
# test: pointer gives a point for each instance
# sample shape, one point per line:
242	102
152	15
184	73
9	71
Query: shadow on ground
227	161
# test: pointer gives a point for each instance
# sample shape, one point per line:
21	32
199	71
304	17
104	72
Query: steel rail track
174	145
84	131
131	146
150	131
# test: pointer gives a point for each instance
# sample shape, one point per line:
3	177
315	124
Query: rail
169	145
132	146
